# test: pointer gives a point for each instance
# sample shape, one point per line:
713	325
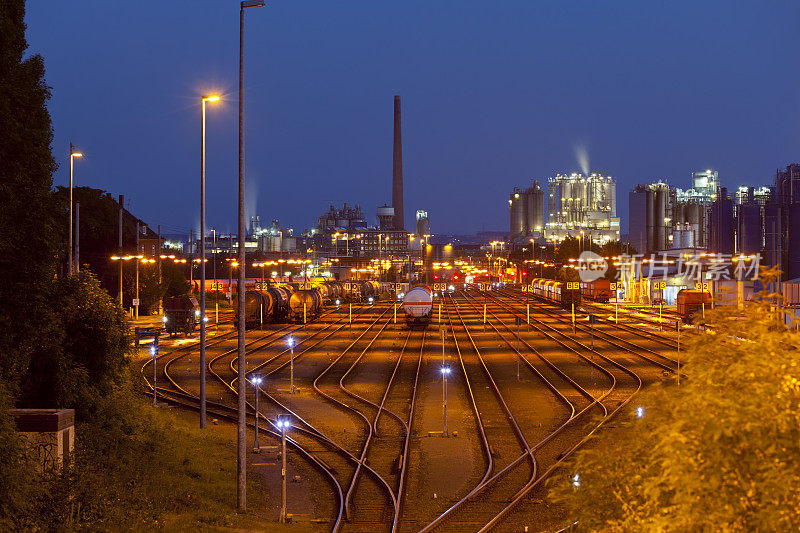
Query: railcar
598	290
305	305
417	305
181	314
557	292
690	301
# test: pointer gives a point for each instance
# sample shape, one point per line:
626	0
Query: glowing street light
204	99
72	155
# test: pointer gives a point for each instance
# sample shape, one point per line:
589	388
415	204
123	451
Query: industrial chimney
397	169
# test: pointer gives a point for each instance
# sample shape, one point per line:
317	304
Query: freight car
417	304
561	293
369	289
305	305
690	301
181	314
598	290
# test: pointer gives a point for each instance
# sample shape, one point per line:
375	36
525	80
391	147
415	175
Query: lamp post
203	100
72	155
257	385
241	425
445	373
283	424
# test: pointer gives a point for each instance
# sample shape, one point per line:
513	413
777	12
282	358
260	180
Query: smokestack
397	169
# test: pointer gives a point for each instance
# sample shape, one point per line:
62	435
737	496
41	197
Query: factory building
526	212
721	226
578	203
782	223
342	219
650	217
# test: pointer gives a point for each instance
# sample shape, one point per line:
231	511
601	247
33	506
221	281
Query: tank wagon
305	304
564	294
369	289
181	314
263	306
417	305
690	301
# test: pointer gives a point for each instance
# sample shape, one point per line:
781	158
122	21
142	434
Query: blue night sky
494	93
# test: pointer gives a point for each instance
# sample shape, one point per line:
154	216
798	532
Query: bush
91	351
719	453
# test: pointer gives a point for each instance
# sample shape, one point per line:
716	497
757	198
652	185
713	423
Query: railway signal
154	353
591	323
291	366
445	373
283	422
257	385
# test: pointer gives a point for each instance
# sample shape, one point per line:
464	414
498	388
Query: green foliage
136	468
92	352
16	473
719	453
27	225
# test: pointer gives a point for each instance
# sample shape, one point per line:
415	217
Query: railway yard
367	444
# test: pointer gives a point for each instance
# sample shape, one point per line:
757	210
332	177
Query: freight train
562	293
417	305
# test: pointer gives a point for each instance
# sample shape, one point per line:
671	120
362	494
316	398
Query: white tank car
417	305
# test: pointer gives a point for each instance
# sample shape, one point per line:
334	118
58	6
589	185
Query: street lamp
445	372
283	422
257	384
241	424
72	155
203	100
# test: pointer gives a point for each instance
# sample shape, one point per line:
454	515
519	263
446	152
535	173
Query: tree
96	340
719	453
27	245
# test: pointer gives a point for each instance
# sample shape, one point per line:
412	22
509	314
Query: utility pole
121	204
137	269
160	280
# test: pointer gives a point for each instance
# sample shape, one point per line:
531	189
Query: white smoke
582	156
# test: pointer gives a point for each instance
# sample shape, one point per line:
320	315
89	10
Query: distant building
582	203
526	212
386	218
423	224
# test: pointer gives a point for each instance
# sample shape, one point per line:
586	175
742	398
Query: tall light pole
241	426
203	100
72	155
